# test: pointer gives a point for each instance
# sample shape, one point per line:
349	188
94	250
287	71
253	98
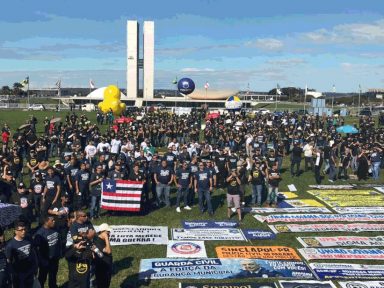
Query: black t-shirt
107	259
232	162
96	189
136	177
183	177
47	243
233	186
3	258
21	255
82	177
37	187
274	182
220	162
257	176
116	175
203	178
296	152
51	184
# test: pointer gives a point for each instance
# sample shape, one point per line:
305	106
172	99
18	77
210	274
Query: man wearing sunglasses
203	187
22	257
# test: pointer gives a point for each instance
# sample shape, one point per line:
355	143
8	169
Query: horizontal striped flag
121	195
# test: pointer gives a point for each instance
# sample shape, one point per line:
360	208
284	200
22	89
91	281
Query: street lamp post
358	108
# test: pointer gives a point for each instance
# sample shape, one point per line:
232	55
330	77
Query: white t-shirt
308	150
101	146
90	150
115	146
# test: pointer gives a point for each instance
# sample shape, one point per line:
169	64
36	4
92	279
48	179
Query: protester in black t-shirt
273	185
82	187
22	257
233	194
51	191
256	178
4	271
95	185
103	265
183	181
48	248
164	178
23	198
36	189
296	158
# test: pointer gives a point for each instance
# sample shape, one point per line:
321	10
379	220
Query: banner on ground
292	218
121	195
333	227
366	210
361	284
347	271
228	285
306	284
208	224
342	192
379	188
253	234
268	210
258	252
288	195
209	234
130	235
303	203
340	241
186	249
215	268
334	187
340	253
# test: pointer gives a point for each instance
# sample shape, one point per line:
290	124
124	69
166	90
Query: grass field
127	258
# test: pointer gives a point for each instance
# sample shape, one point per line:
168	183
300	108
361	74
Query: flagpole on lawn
28	91
277	87
305	96
59	92
333	95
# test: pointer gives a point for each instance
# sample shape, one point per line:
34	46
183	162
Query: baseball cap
21	185
105	227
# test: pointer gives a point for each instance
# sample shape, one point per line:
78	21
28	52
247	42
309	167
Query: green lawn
127	258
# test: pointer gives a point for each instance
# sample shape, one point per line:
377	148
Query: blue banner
227	285
194	224
215	268
347	271
252	234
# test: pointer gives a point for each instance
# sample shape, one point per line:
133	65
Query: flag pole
276	97
28	92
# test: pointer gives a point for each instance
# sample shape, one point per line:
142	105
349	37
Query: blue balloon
186	86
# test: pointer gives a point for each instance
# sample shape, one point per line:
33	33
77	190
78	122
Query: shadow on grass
133	281
121	264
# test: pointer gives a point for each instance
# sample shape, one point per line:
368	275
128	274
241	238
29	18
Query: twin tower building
135	63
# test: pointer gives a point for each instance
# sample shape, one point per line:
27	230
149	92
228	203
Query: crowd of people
57	175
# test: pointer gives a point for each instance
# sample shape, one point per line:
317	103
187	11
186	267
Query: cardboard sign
186	249
209	234
258	252
340	253
306	284
215	268
292	188
347	271
339	241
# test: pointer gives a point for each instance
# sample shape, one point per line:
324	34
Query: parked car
36	107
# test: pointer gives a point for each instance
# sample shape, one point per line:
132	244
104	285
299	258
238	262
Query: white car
89	107
263	111
36	107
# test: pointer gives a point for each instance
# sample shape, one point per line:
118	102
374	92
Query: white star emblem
109	186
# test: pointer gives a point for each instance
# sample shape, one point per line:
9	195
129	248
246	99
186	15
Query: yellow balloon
112	92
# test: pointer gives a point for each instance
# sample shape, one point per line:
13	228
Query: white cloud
287	62
356	33
267	44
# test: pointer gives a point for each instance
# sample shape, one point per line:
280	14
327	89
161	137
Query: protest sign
259	252
361	284
366	210
130	235
334	187
340	253
209	234
186	249
252	234
215	268
292	218
268	210
228	285
292	187
208	224
303	203
339	241
333	227
306	284
347	271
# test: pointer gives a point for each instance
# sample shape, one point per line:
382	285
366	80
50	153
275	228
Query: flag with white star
121	195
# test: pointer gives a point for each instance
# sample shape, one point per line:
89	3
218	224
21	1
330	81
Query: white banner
333	187
333	227
208	234
361	284
292	187
292	218
306	284
347	270
339	253
130	235
365	210
186	249
268	210
380	189
340	241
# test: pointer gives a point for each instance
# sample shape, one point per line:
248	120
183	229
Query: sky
243	44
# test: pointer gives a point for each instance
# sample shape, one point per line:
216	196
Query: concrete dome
98	94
